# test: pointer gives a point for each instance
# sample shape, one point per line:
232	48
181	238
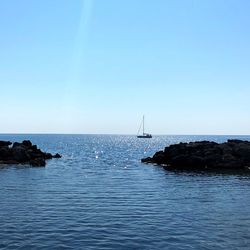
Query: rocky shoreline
204	155
23	153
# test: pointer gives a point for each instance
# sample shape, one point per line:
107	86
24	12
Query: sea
100	196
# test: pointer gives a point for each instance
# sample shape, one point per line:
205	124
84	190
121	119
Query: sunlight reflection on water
100	196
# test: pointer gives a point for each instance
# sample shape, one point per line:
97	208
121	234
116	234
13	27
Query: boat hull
144	136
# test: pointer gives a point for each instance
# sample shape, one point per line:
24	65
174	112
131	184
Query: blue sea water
99	196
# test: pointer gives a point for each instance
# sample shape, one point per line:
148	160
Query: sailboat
143	135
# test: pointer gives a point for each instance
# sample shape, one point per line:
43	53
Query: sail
143	135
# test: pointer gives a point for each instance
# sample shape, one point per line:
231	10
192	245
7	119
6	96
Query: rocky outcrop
204	155
23	153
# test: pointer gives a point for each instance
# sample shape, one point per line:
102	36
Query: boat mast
143	124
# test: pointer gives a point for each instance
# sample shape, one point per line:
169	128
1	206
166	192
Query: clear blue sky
98	66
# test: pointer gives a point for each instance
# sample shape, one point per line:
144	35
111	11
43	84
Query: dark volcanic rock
5	152
20	154
38	162
5	143
57	156
204	155
23	153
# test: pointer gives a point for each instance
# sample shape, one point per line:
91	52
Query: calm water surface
99	196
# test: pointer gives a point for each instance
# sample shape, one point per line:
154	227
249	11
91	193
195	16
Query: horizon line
53	133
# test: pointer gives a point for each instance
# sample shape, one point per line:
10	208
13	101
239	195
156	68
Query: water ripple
99	196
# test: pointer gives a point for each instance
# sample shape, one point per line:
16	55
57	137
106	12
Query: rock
57	156
34	147
16	144
204	155
5	143
5	153
38	162
23	153
147	160
9	162
27	143
20	154
48	156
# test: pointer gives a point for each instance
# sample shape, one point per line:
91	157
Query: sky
94	66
